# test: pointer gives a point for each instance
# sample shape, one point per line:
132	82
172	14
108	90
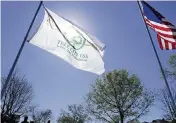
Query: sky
117	24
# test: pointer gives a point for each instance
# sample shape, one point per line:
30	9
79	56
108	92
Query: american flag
166	32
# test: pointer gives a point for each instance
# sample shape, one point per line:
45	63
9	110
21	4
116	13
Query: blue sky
117	24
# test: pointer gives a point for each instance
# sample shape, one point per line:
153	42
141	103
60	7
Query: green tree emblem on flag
78	42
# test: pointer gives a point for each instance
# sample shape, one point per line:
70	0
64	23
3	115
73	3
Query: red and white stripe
166	33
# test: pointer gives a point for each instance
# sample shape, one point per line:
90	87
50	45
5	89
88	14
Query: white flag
68	41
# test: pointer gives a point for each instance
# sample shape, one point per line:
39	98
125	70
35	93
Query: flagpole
159	62
19	52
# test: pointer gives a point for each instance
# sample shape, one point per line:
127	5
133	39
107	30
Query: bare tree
17	96
41	116
168	108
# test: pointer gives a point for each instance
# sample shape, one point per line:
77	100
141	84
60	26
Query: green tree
171	71
75	114
118	96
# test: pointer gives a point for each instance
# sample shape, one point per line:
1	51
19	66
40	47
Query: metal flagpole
19	52
159	62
